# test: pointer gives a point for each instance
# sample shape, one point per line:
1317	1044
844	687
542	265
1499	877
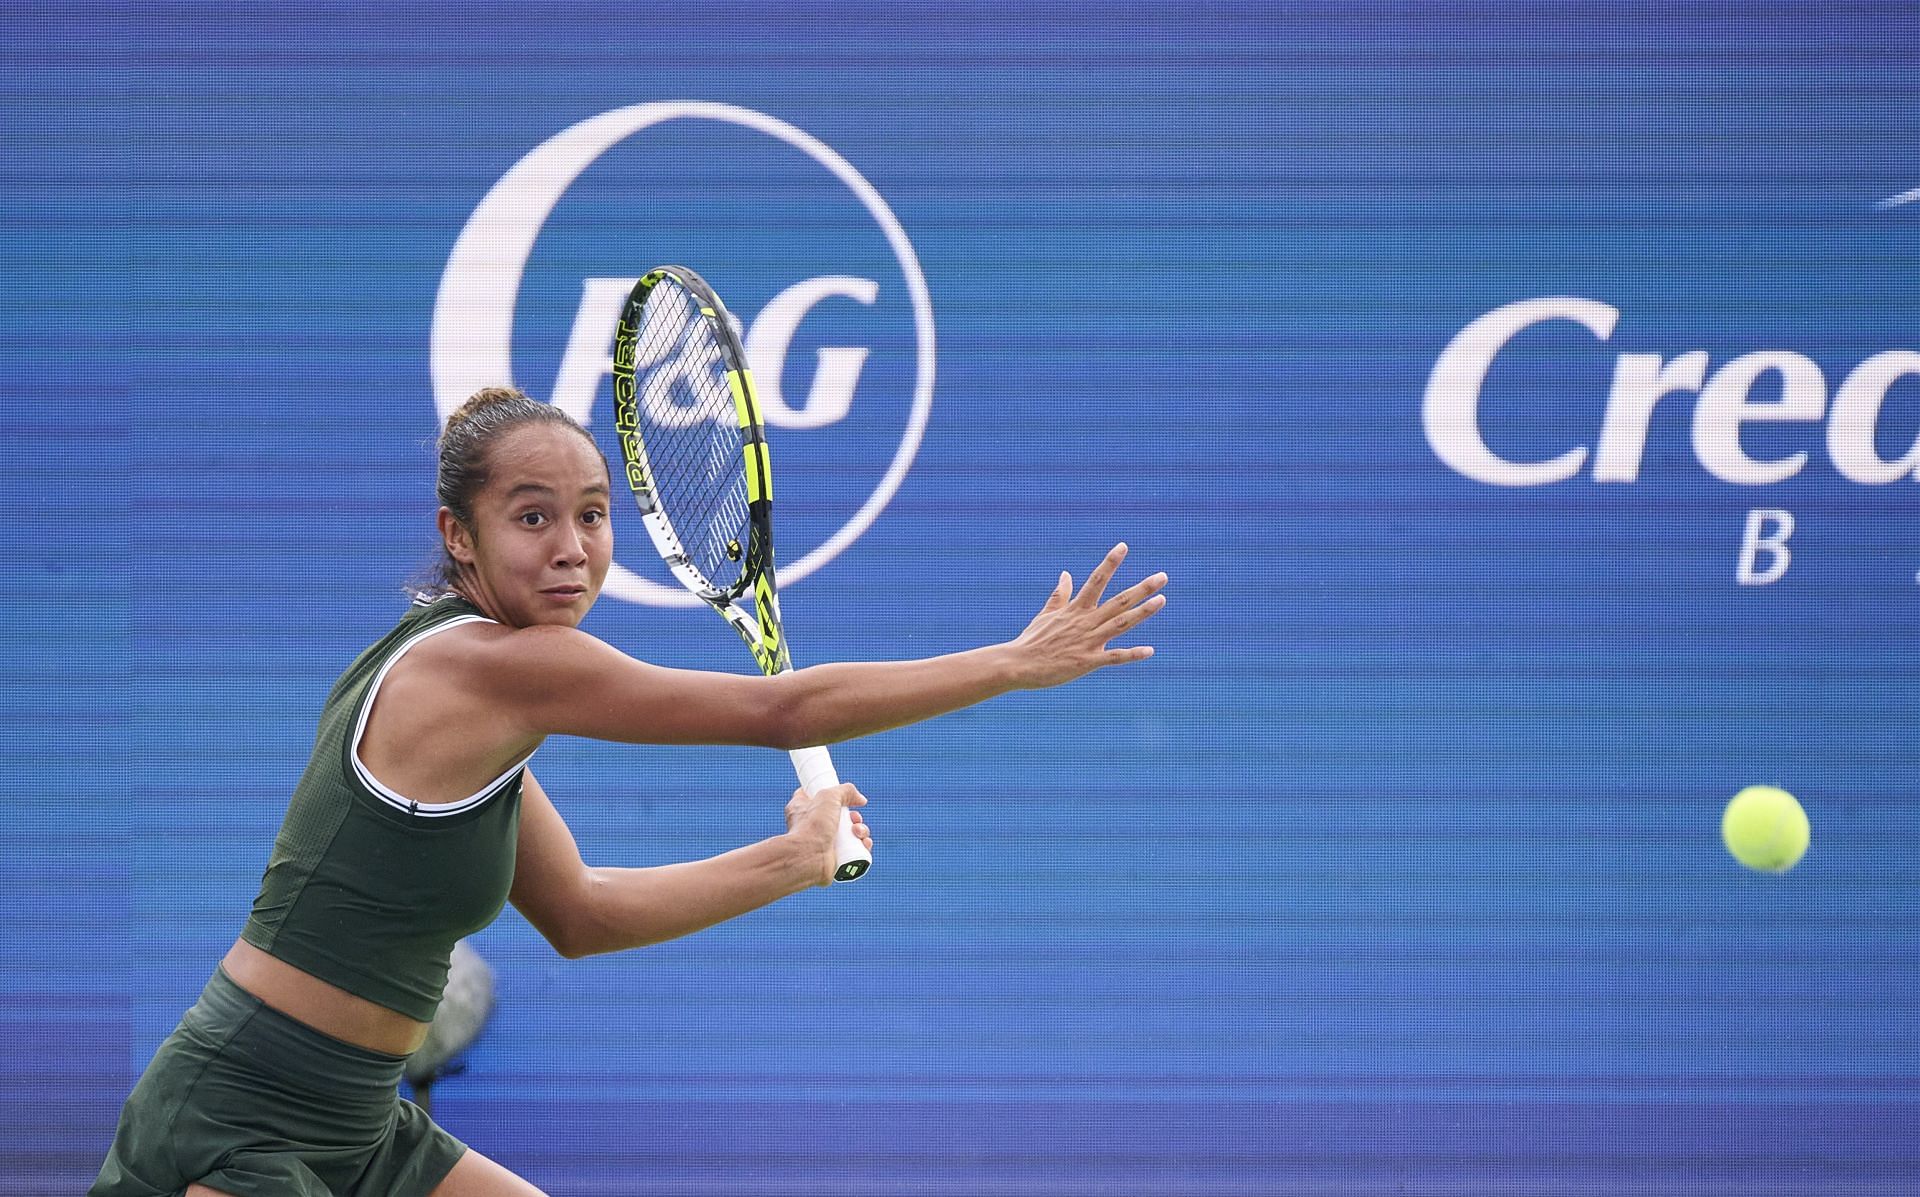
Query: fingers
860	828
1131	608
1124	615
1137	592
1102	574
1128	610
822	811
1128	620
1062	591
813	821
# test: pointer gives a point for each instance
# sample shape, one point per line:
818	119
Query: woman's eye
532	519
595	517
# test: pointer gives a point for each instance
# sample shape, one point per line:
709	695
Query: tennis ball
1765	829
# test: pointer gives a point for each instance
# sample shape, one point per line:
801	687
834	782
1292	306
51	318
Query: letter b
1759	539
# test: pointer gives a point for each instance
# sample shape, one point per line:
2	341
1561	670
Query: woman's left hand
813	820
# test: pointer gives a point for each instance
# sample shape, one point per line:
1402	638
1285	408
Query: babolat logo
1724	404
626	423
824	287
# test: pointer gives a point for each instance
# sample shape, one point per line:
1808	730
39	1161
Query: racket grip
850	856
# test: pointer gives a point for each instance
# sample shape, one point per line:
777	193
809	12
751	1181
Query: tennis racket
696	457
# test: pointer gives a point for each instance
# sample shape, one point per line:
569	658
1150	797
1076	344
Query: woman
417	819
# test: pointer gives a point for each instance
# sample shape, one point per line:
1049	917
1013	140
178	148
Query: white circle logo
473	314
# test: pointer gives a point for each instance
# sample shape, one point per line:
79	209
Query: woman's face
540	543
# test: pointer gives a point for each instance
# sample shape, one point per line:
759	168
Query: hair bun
485	398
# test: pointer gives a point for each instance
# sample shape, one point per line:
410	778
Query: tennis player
417	819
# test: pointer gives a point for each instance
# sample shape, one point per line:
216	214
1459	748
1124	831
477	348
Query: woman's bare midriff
326	1008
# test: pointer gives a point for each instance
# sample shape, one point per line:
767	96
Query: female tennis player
417	819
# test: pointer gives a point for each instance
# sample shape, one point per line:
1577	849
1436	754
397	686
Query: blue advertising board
1523	399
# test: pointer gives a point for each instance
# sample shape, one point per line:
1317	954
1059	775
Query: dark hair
465	446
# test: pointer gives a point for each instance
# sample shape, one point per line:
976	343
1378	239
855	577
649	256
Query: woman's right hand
813	820
1068	639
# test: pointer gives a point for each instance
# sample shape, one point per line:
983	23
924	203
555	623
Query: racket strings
692	433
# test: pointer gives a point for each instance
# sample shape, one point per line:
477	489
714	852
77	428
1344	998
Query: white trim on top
379	789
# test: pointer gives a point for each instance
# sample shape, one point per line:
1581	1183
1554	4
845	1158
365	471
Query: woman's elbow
785	721
568	941
572	930
570	946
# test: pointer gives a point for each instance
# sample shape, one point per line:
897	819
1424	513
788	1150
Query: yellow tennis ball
1765	829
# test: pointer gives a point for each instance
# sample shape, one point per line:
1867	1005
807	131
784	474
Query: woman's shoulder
456	638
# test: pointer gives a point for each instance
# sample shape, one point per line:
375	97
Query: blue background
1397	869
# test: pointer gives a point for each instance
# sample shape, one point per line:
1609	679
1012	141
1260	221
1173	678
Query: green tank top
367	889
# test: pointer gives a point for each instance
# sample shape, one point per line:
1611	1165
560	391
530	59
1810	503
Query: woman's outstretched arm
555	680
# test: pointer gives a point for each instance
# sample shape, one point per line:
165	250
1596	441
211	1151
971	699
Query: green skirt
244	1099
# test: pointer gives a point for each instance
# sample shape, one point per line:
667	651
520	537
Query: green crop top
366	889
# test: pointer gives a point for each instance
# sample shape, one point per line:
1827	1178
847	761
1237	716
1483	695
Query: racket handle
850	856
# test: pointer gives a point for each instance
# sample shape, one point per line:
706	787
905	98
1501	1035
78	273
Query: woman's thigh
477	1176
474	1176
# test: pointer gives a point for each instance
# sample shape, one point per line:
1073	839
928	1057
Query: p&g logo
747	211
